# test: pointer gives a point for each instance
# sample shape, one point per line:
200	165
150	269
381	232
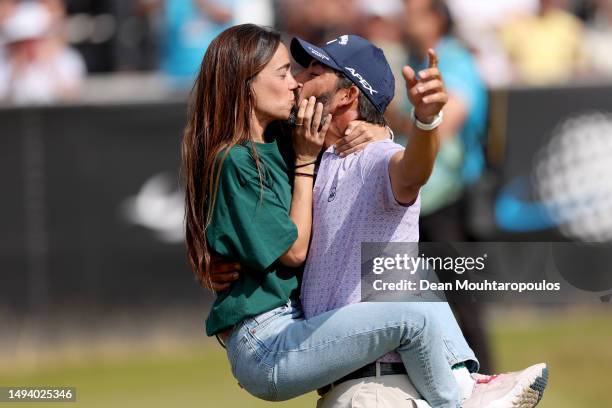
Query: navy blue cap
358	59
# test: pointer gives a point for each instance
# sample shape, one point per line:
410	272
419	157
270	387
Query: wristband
297	166
426	126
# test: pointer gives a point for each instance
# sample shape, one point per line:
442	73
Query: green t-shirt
251	225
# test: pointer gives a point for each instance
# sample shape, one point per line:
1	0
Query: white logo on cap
343	40
318	54
362	80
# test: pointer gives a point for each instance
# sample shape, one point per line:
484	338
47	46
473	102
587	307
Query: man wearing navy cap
367	196
373	196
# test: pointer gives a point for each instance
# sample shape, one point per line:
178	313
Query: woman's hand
358	135
307	138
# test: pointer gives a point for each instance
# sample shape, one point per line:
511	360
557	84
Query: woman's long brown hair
220	111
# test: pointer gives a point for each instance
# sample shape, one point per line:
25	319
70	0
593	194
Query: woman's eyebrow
286	66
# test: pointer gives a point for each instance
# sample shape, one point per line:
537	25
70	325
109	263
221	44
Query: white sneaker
519	389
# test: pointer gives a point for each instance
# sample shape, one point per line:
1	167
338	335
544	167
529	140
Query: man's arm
222	273
410	169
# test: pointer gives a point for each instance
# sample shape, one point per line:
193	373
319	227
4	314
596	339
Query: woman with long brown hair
240	204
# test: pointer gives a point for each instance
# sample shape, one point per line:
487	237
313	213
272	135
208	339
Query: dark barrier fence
543	145
91	212
524	119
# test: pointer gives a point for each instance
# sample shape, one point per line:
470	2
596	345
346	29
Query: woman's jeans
279	354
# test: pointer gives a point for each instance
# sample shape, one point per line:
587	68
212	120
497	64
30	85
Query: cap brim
303	52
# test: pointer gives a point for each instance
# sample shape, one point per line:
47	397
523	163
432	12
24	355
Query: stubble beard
324	98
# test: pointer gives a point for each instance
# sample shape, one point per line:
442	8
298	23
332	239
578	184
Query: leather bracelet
305	175
297	166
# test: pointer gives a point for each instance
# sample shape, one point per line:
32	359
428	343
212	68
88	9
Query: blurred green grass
576	346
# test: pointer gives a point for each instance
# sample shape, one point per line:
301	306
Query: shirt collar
330	150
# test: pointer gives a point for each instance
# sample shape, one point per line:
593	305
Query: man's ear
349	95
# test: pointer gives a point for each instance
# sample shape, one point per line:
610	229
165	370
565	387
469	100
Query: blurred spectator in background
188	27
477	23
380	22
546	47
428	24
318	20
39	67
57	11
254	11
598	39
460	161
6	7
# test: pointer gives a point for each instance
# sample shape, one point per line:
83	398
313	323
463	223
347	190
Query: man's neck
333	135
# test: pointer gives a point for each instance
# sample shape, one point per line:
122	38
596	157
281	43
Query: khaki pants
387	391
